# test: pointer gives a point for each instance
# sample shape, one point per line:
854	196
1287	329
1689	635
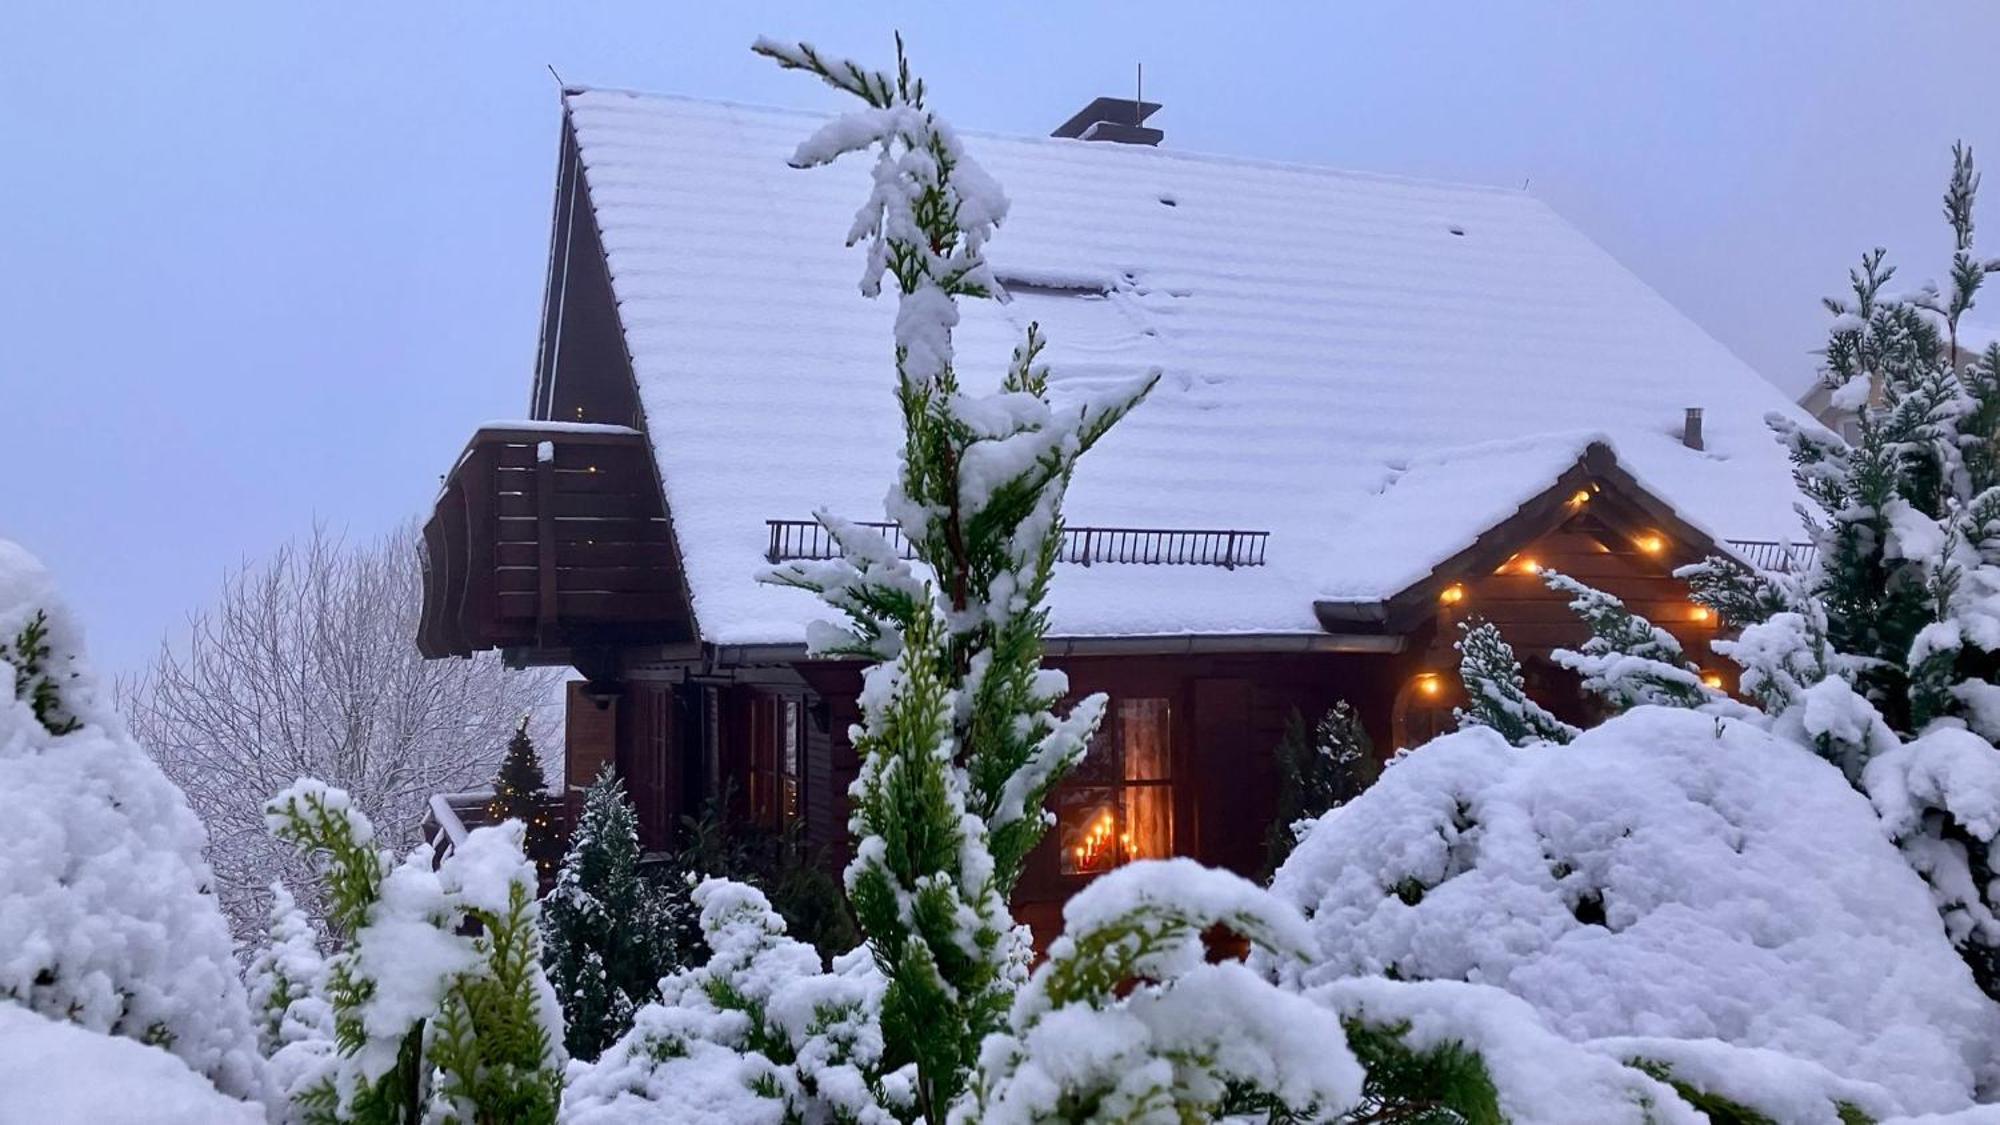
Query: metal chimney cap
1124	112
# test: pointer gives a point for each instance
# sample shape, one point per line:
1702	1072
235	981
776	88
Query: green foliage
34	681
1495	695
610	933
1318	770
1443	1085
1736	594
1720	1110
490	1045
469	1013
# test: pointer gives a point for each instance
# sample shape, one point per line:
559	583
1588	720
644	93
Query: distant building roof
1321	333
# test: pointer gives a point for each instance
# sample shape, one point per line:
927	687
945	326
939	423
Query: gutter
1166	644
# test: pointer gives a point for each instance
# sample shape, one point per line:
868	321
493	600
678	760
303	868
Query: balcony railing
1782	558
1084	546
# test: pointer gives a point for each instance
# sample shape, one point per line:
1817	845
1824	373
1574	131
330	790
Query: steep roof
1320	332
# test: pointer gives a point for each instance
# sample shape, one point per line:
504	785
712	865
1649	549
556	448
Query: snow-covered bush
1669	874
608	933
287	980
106	917
429	1023
759	1034
1127	1021
53	1072
959	739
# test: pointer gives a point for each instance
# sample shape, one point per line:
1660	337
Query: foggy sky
260	266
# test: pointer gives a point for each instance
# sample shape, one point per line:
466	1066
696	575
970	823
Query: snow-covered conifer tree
606	934
1318	770
1495	695
107	919
1628	660
959	739
287	970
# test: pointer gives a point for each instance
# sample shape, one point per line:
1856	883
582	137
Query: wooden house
1385	404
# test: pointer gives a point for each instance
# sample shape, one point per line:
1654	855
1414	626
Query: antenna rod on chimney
1139	95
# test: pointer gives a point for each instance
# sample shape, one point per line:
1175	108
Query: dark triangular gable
1618	503
584	367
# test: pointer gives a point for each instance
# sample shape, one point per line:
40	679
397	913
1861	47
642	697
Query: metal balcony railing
1783	558
1085	546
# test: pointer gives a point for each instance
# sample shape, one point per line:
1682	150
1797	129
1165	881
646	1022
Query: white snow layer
1667	875
56	1073
1319	332
105	917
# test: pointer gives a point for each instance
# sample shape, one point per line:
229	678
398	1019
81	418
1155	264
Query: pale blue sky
260	265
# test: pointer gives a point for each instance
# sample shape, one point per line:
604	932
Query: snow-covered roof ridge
1136	151
1320	334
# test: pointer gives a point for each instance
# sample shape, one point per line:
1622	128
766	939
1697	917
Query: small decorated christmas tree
521	792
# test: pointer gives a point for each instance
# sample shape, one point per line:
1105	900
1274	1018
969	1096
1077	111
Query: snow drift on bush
1667	875
105	917
58	1073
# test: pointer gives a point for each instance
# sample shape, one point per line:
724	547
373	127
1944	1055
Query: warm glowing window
1118	805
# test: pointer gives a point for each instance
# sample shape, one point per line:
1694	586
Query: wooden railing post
548	606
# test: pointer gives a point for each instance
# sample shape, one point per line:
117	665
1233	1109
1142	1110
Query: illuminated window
1118	805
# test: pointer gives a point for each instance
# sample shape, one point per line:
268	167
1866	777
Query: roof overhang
1617	498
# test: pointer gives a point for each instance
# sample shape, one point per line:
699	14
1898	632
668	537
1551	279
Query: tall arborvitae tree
1319	769
608	933
521	792
959	738
1495	695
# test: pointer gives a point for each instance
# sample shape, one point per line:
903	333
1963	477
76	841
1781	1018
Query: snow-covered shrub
1939	797
1668	874
759	1034
429	1023
960	740
1126	1020
1495	695
106	917
287	980
609	934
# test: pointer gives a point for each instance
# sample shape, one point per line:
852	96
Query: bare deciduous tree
307	666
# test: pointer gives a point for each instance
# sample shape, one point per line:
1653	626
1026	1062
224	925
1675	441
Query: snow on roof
1318	331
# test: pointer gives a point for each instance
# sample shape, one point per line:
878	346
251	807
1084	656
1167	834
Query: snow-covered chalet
1386	403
